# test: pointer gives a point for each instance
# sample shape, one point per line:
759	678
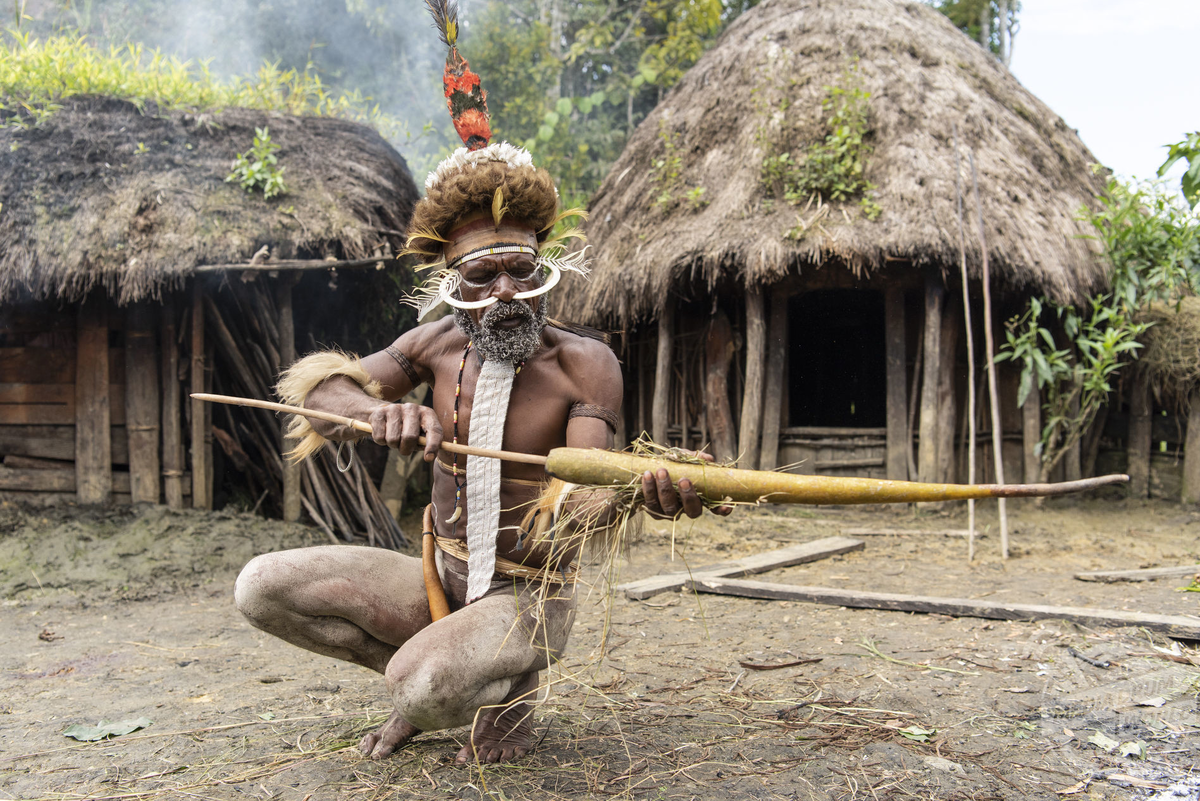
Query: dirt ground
117	615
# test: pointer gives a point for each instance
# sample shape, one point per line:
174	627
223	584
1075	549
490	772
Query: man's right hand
398	425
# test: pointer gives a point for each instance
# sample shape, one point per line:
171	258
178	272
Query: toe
367	745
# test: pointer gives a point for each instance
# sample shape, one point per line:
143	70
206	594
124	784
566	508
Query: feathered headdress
495	181
466	99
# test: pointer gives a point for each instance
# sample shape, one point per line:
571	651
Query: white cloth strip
489	410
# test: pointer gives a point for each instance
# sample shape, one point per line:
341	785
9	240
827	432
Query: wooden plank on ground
1180	626
895	532
1148	574
758	563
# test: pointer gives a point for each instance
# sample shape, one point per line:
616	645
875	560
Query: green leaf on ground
106	729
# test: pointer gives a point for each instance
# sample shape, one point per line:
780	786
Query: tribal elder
501	377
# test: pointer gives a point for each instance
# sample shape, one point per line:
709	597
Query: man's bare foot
391	735
500	734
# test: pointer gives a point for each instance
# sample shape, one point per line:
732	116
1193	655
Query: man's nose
505	287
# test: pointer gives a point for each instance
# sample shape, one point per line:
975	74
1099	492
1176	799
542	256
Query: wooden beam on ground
748	566
93	413
897	382
1148	574
1178	626
660	406
898	532
142	403
777	354
750	425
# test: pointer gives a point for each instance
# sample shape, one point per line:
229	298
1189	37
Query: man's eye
523	272
478	276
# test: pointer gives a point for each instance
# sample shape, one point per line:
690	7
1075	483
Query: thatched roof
925	78
85	206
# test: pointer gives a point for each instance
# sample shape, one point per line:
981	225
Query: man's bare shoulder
428	343
591	366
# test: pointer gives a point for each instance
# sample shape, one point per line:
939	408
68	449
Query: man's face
509	329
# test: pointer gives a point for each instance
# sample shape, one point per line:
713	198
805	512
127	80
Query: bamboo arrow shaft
600	468
359	425
606	468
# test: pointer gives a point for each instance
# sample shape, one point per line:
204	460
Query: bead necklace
462	366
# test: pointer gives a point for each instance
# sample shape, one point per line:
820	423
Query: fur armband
306	375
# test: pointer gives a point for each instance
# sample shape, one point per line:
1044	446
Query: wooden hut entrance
837	374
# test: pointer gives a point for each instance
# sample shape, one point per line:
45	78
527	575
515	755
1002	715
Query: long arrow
595	467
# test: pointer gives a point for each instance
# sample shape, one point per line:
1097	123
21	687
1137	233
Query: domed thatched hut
691	230
126	255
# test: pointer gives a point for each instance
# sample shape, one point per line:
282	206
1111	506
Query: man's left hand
663	502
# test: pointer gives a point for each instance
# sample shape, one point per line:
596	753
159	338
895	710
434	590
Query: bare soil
118	614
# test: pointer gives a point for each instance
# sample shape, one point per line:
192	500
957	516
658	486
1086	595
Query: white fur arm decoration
306	375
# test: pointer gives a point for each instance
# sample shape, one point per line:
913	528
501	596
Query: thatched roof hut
125	255
104	195
762	91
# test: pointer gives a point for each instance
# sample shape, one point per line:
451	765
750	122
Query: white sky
1125	73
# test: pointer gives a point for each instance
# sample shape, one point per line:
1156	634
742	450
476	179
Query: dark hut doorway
837	373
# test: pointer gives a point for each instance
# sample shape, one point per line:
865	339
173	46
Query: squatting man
500	377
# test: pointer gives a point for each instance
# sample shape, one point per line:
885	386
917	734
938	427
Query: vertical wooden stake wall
1191	452
201	431
897	403
1073	461
142	407
927	456
1140	435
718	352
777	351
946	401
172	408
660	407
989	354
287	355
750	430
1031	434
93	416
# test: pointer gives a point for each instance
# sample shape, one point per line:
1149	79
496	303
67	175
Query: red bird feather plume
465	98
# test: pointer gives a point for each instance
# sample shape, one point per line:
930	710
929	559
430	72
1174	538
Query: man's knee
433	693
258	592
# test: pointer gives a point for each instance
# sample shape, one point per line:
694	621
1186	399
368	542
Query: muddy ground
117	615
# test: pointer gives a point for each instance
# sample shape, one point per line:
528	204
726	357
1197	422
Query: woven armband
306	375
591	410
402	361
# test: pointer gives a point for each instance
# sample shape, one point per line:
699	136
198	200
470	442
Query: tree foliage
1151	243
992	23
1189	151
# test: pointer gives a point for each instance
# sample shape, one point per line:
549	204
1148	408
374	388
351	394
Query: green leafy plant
666	173
1152	246
833	168
1189	151
258	167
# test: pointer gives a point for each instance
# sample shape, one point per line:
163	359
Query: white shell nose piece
555	277
551	282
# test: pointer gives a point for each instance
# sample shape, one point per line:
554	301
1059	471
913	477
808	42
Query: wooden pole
1140	421
1031	433
201	430
172	408
719	350
1073	460
750	428
947	406
660	407
897	403
927	455
1191	452
966	297
287	355
777	355
93	417
989	352
914	395
142	407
